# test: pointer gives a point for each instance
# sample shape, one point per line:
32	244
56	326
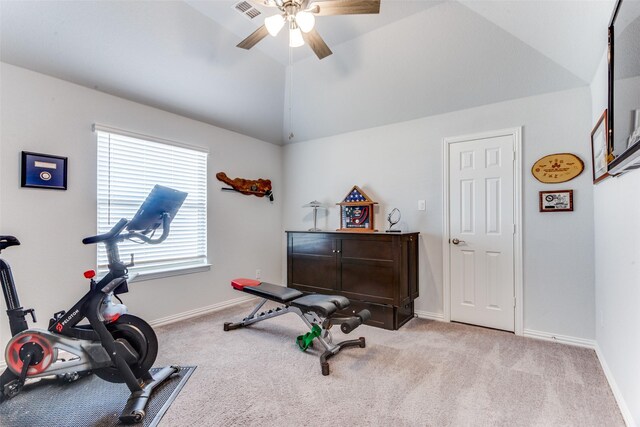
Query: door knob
457	241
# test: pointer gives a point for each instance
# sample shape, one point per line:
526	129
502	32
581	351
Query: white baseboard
547	336
199	311
429	315
624	409
564	339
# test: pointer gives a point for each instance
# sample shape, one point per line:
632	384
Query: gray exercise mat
88	401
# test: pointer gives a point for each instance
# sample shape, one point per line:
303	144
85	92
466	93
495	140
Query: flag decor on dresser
356	211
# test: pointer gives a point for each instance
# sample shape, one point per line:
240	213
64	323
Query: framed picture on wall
600	149
43	171
556	201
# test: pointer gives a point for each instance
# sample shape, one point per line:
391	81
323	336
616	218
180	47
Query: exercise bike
114	345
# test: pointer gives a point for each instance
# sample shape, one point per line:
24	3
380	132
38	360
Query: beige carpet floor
426	374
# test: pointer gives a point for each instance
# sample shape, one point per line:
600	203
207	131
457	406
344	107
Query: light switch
422	205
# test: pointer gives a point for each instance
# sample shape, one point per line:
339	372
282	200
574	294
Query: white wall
396	165
617	272
391	72
47	115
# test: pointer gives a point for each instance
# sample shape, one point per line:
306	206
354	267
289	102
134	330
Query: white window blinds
128	168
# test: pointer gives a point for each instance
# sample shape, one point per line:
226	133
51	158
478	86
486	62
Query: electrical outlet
422	205
258	274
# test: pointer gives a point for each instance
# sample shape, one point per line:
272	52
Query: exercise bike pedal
11	389
14	386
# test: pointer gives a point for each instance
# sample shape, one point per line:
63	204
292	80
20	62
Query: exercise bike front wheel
141	337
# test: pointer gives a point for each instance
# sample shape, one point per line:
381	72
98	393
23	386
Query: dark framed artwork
43	171
600	149
556	201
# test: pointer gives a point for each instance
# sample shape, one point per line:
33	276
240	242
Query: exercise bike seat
6	241
324	305
266	290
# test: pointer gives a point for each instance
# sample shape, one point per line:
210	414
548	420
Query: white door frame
516	133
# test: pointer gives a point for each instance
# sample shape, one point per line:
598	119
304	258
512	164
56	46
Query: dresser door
312	262
368	271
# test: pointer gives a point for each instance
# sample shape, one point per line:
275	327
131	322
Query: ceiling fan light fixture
295	37
274	24
305	21
300	17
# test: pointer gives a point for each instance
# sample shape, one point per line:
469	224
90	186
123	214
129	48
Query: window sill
152	275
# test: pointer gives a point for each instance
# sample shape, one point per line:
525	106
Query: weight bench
315	310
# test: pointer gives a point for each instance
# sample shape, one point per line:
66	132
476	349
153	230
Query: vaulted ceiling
416	58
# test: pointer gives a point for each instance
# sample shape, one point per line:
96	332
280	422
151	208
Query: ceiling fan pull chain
291	136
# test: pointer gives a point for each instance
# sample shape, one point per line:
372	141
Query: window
129	165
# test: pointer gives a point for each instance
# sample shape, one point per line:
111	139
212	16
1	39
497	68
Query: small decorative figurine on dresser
393	218
315	205
356	211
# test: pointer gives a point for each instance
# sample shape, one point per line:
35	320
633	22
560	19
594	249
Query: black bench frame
313	309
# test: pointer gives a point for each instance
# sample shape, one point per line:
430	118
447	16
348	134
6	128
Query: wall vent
247	10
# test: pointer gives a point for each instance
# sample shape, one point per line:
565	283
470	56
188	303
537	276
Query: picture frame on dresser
356	212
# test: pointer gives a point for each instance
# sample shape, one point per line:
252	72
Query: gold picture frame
600	149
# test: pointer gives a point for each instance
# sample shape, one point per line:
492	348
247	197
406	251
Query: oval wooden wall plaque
554	168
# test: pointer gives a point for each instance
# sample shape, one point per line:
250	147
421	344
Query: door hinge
514	301
514	229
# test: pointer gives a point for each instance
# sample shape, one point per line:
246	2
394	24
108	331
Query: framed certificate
556	201
43	171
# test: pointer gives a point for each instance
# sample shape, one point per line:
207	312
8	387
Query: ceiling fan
300	15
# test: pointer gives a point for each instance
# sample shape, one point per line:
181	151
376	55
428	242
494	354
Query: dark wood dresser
377	271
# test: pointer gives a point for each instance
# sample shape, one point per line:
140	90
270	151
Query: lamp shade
274	24
295	37
305	21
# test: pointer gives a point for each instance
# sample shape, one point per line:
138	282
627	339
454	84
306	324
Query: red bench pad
239	284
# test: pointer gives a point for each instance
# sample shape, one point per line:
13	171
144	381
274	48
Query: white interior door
481	231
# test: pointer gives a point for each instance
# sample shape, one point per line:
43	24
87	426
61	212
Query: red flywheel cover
13	353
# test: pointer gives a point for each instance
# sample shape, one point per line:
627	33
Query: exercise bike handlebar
115	231
116	234
166	221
